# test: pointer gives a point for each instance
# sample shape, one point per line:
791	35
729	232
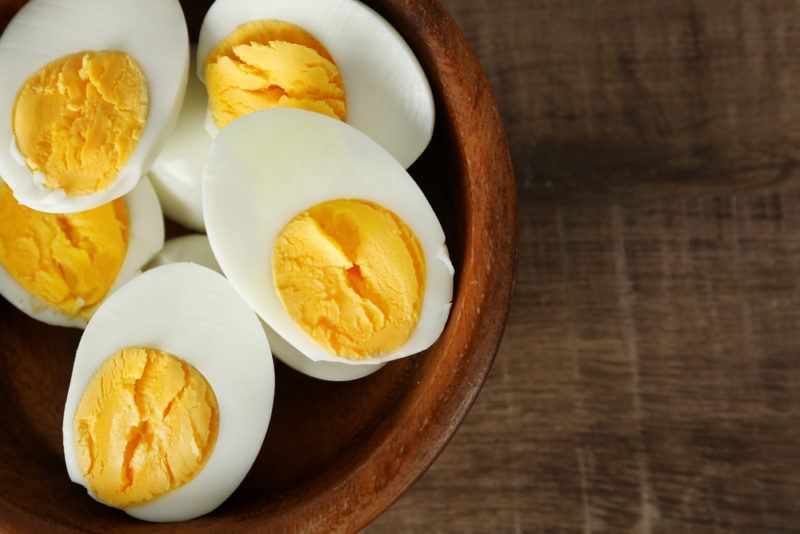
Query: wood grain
649	378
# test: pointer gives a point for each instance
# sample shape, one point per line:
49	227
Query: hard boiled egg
89	90
384	91
327	237
177	171
256	46
58	268
170	396
197	249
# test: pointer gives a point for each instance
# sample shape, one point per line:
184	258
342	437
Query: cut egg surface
170	396
89	91
57	268
327	237
197	249
335	57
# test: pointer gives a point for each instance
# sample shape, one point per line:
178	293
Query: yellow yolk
145	425
269	63
352	275
68	261
78	119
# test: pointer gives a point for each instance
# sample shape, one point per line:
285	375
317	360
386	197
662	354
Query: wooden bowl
336	454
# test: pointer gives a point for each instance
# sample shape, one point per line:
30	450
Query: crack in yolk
351	274
146	425
68	261
78	119
270	63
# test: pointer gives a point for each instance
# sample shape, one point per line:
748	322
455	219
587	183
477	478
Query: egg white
152	31
193	313
388	96
178	169
197	249
266	167
145	238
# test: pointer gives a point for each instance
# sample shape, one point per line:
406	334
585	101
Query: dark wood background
649	379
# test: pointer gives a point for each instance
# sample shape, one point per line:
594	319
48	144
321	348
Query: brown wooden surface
649	379
336	454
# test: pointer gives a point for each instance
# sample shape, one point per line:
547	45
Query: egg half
66	243
387	94
197	249
271	168
89	90
384	90
184	397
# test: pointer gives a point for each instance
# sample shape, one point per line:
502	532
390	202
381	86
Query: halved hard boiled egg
58	268
336	57
89	90
196	249
327	237
170	396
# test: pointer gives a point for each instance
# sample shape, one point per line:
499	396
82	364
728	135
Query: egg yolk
351	274
269	63
146	424
68	261
78	119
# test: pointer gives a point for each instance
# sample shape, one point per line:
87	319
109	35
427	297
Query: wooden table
650	375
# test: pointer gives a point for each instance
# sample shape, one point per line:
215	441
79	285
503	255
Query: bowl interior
319	430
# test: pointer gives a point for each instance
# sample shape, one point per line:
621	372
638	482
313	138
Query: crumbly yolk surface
146	424
269	63
78	119
351	274
68	261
